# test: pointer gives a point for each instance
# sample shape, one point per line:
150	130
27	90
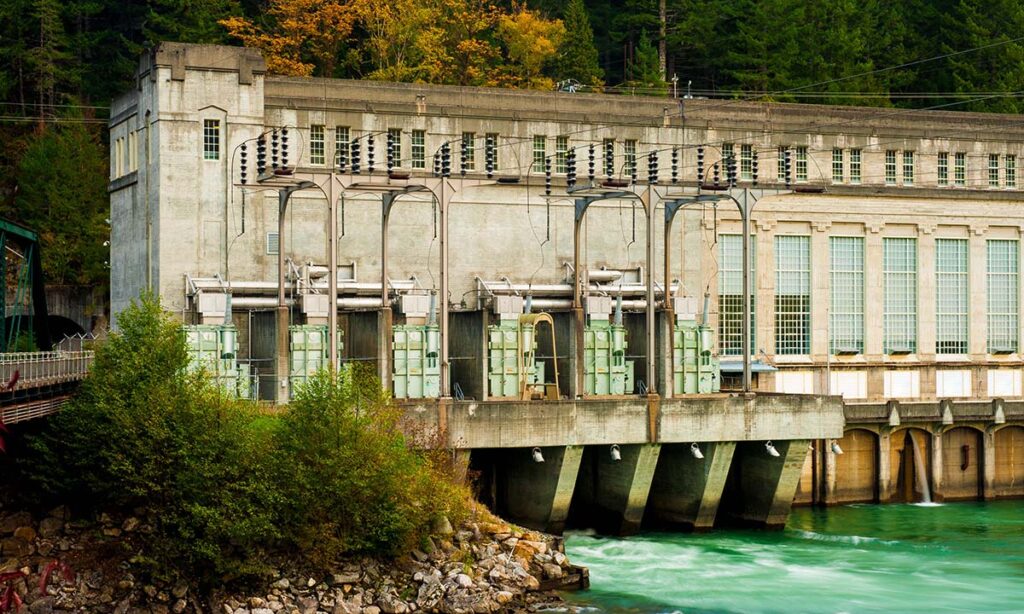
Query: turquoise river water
957	557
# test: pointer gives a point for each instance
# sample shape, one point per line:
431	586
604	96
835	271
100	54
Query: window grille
951	296
341	144
468	146
1003	269
960	169
908	168
900	304
561	154
943	168
316	145
846	309
890	167
493	136
211	139
781	165
801	164
792	295
273	243
730	295
837	165
539	142
746	162
418	149
1010	170
854	166
396	142
629	153
993	170
727	153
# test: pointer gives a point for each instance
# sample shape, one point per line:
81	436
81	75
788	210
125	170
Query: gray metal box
685	307
416	305
599	307
316	305
212	305
508	305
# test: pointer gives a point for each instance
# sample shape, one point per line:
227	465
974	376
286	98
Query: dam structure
554	282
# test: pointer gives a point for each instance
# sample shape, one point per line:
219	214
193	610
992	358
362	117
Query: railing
20	370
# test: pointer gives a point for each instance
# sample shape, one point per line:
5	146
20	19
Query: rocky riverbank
55	564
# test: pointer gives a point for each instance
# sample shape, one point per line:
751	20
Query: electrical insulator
242	154
273	150
652	168
463	156
369	153
284	148
700	165
342	157
788	167
547	176
632	172
753	167
437	164
261	155
590	172
609	159
446	160
730	170
489	156
355	157
714	172
570	168
675	165
391	152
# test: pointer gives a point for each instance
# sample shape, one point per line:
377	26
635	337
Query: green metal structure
511	357
417	368
606	370
214	348
695	370
309	351
21	265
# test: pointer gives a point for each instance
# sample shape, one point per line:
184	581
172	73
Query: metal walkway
37	384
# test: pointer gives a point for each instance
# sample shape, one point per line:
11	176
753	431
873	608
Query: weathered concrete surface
761	486
627	420
686	491
535	494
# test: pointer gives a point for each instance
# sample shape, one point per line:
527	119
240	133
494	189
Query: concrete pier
686	491
612	493
760	486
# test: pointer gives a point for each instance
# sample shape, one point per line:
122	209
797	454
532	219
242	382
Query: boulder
51	526
26	532
11	522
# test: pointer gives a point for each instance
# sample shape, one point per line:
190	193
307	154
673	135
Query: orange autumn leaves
461	42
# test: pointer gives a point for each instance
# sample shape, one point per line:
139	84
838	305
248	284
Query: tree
577	55
644	69
529	42
301	36
62	194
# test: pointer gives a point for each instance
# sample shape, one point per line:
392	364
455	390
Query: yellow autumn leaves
461	42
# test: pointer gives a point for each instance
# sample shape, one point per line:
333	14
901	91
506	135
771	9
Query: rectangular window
394	158
951	296
317	151
211	139
609	157
629	158
746	162
561	154
993	170
341	145
730	295
899	269
468	153
273	243
418	150
781	166
539	142
837	166
960	169
1003	282
1010	170
792	295
727	153
492	138
132	153
908	168
801	164
846	311
855	166
118	156
943	168
890	167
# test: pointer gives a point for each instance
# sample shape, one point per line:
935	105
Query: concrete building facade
900	280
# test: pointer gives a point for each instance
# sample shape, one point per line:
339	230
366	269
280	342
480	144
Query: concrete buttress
761	486
686	490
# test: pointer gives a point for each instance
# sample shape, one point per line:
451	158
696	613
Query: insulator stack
243	164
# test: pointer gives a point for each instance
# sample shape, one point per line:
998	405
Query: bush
227	484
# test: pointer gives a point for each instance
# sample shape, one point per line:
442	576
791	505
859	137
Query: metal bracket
583	203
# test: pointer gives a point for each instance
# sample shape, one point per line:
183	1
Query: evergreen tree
577	56
644	69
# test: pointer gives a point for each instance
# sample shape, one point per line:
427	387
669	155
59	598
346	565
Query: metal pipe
269	287
255	302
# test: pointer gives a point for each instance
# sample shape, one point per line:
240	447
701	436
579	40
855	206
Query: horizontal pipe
503	288
270	287
554	304
256	302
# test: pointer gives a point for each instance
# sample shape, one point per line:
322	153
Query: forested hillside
61	62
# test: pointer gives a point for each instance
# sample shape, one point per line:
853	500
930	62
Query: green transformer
511	348
606	370
416	358
309	351
695	370
213	348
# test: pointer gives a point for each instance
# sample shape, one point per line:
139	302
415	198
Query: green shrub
227	484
